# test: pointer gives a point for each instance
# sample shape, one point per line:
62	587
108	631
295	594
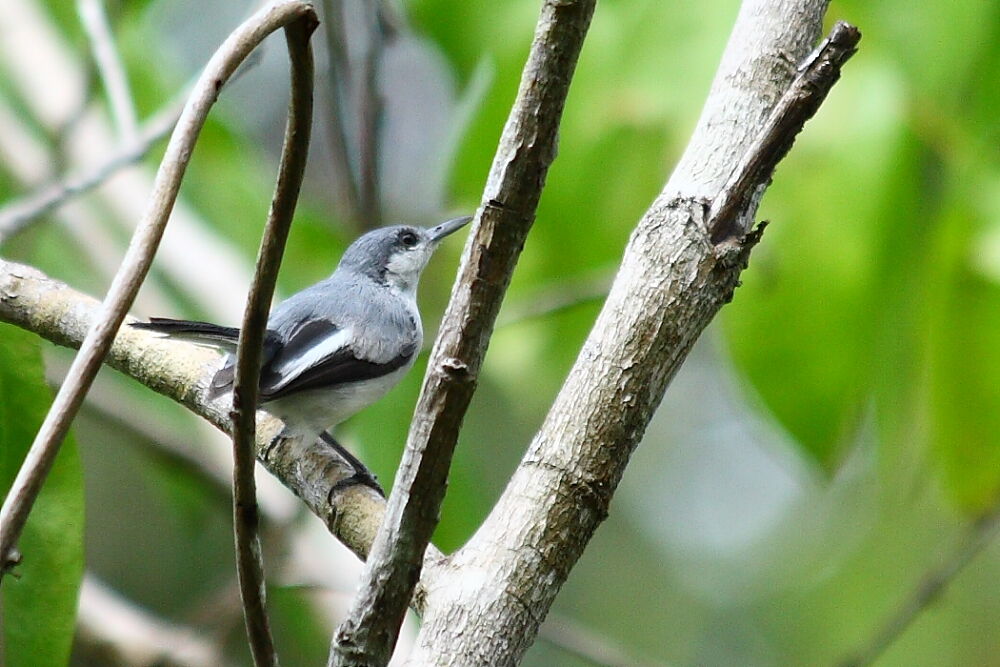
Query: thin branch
929	589
370	118
249	561
338	84
816	76
571	636
135	264
527	148
114	631
672	282
552	299
18	214
110	68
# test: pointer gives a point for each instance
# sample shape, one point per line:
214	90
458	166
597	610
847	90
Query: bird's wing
321	354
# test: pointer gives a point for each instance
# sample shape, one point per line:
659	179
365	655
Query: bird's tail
202	333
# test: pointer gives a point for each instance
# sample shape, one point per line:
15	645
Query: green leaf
39	600
964	367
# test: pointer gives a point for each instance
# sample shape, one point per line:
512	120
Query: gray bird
338	346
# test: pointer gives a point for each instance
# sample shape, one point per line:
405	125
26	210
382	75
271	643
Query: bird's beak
445	228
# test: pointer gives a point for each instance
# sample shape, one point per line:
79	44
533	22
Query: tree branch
930	587
370	118
527	148
110	67
135	265
338	82
249	561
15	216
672	281
114	631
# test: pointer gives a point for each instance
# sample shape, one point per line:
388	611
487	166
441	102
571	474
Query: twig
816	76
930	587
527	148
18	214
338	84
114	631
370	117
558	297
574	638
249	561
110	67
135	264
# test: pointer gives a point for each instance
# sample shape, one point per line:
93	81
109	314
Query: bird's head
397	255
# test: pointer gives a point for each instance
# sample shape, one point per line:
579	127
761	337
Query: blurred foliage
863	348
38	602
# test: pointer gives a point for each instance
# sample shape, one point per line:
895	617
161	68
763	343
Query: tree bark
485	603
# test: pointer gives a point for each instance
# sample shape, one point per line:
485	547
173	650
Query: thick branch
249	561
672	281
527	148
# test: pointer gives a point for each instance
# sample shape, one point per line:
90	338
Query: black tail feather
189	329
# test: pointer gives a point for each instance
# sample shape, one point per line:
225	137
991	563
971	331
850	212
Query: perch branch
135	264
672	281
249	560
527	148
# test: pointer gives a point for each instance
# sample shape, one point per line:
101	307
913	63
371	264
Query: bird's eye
408	239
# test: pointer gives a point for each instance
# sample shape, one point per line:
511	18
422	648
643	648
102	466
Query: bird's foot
361	473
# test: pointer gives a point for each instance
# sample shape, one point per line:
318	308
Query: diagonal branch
527	148
135	265
977	537
15	216
672	281
109	65
249	561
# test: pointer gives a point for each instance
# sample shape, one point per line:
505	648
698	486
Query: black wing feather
341	367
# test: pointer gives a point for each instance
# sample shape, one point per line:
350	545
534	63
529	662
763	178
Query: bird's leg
282	436
361	473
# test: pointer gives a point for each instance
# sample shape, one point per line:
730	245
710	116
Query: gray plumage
341	344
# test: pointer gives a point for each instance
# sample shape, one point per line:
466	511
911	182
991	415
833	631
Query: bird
338	346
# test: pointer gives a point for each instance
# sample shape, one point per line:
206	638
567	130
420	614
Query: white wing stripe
310	356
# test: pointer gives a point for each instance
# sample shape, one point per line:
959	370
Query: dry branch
672	281
527	148
249	560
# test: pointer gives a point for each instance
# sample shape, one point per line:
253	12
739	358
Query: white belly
313	411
